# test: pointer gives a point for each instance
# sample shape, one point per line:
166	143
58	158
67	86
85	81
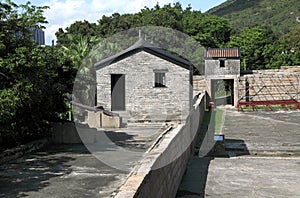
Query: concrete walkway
263	132
71	170
262	158
59	171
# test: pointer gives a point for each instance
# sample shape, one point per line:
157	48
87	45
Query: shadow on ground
58	171
33	172
194	180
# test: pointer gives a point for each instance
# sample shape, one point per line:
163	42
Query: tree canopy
34	79
261	47
209	30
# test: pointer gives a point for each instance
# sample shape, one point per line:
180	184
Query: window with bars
159	79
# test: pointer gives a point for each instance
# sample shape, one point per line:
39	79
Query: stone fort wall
156	177
199	84
261	85
273	84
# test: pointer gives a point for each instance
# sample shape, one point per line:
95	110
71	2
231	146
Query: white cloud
63	13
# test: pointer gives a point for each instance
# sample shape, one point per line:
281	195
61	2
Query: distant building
38	36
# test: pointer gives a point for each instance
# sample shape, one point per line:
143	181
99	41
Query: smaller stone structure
222	64
99	119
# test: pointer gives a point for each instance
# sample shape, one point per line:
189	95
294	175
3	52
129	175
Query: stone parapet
161	170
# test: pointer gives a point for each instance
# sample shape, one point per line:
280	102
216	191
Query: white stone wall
143	101
213	69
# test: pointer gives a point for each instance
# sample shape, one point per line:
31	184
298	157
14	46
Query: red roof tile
222	53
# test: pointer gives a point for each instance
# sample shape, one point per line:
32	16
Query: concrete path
253	177
71	170
262	159
264	132
59	171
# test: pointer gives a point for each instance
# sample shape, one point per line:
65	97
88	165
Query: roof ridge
143	45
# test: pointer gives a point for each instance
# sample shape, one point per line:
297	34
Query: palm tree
78	52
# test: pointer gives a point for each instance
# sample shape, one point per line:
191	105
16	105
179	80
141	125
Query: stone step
124	117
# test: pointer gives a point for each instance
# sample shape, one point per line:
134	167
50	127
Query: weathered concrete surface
263	159
71	170
17	152
253	177
59	171
263	132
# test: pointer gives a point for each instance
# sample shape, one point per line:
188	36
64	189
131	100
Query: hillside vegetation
280	15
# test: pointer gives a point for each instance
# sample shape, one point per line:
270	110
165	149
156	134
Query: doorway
117	92
222	91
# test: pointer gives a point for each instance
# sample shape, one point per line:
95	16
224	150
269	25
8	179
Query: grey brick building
222	64
145	83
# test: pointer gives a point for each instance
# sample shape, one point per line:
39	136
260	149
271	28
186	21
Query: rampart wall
162	169
273	84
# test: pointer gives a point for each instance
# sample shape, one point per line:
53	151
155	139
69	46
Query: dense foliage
266	31
261	49
209	30
262	45
279	15
34	79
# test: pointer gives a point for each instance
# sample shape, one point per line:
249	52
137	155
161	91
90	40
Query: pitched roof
142	45
222	53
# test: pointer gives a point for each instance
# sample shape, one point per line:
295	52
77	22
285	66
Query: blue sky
63	13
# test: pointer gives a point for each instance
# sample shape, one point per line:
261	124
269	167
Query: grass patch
211	121
215	119
271	107
218	121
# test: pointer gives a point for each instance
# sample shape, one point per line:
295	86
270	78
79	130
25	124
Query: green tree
166	16
81	28
79	48
253	42
34	79
82	59
284	51
210	31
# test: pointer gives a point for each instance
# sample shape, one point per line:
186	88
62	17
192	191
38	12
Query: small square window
222	63
159	79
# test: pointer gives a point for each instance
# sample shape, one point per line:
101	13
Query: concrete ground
262	158
71	170
264	132
59	171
